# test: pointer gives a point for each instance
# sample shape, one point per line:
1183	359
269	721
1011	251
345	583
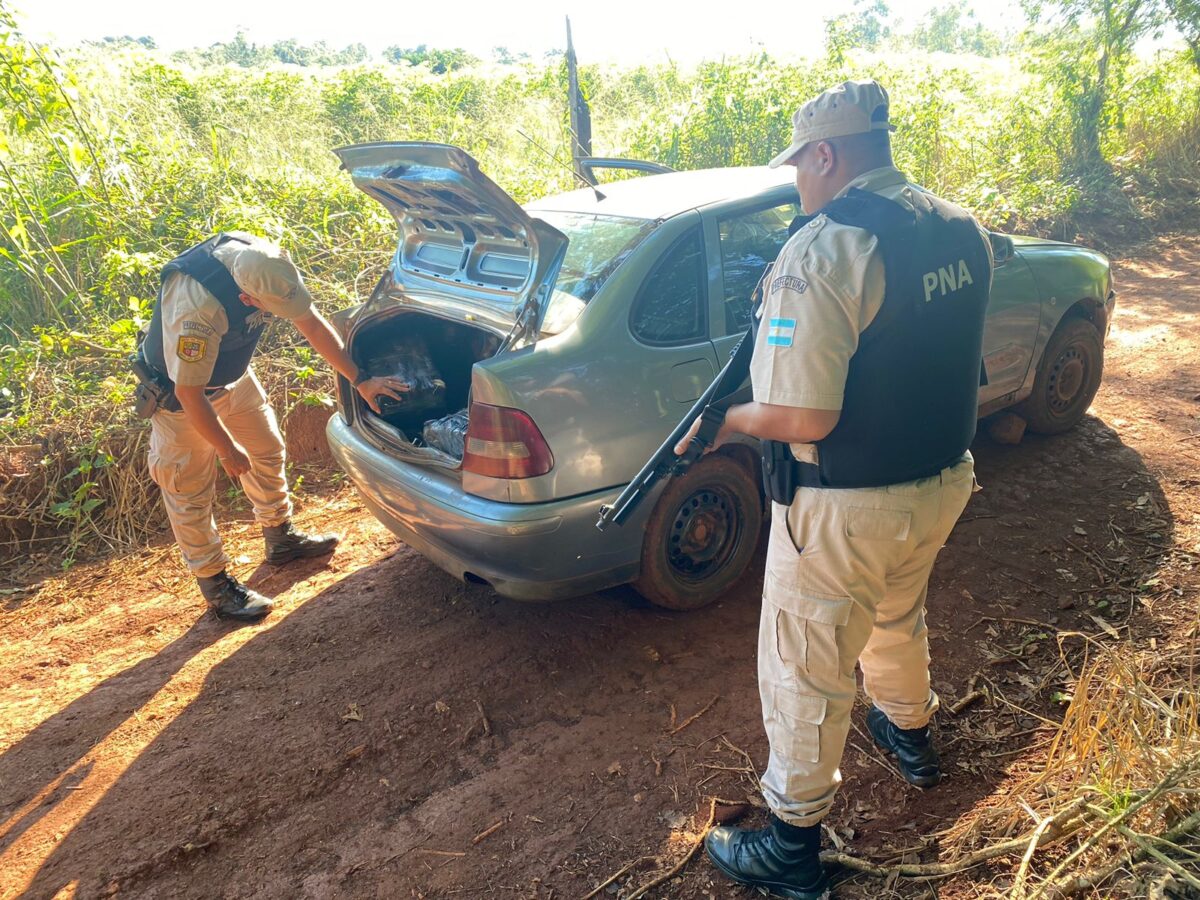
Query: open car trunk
435	357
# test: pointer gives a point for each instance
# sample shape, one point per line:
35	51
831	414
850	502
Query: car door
669	318
742	242
1013	314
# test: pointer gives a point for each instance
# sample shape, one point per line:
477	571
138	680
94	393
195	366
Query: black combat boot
912	747
230	599
285	543
784	859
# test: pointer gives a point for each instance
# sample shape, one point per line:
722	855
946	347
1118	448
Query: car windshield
599	244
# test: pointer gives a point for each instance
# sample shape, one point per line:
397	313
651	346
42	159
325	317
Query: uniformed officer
212	305
866	369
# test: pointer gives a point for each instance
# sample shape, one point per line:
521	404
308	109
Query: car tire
701	535
1067	379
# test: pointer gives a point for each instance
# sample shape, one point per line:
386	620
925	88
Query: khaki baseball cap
263	270
853	107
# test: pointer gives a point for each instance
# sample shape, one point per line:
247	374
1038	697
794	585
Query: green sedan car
552	347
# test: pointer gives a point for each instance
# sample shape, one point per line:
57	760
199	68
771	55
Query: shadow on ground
362	744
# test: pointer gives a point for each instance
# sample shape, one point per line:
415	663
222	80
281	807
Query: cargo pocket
807	632
165	475
793	724
878	524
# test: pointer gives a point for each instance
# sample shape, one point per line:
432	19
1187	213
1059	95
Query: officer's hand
382	386
681	447
236	462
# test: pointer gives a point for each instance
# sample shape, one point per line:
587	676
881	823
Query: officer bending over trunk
866	369
205	403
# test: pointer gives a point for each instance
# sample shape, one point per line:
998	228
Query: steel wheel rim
1068	375
704	534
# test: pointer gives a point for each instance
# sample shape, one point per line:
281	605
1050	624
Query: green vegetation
114	157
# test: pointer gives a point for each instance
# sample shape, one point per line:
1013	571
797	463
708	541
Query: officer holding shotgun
205	403
865	372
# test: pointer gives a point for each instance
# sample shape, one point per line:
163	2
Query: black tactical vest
237	344
912	389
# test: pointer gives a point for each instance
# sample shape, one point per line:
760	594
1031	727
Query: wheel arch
1089	308
746	456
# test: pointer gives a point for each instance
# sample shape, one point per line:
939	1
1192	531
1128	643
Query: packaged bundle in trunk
448	434
411	362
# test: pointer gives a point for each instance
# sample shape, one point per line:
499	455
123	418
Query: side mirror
1002	248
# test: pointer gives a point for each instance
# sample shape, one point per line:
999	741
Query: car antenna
599	194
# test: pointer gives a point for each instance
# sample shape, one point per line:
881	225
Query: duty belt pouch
779	472
151	394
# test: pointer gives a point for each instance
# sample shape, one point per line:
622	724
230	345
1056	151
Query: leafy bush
114	158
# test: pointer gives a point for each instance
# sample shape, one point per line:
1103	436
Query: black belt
783	474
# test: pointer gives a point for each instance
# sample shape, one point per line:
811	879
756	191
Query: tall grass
112	161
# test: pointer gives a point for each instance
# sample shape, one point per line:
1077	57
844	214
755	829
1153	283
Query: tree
440	61
865	27
1185	16
124	42
1087	57
506	57
953	29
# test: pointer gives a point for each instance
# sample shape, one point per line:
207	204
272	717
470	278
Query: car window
669	308
598	244
748	243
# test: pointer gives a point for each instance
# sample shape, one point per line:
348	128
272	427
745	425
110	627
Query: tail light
504	443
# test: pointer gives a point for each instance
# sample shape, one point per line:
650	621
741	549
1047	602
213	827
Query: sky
621	31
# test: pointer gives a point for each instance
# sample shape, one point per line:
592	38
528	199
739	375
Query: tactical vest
238	343
912	388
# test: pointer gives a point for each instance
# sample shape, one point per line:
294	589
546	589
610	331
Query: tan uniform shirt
194	321
826	288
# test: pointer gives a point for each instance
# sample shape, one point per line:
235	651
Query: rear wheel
701	535
1068	377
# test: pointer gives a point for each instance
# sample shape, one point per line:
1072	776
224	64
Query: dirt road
390	732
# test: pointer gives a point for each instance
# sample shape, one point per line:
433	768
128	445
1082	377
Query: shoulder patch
191	349
197	327
780	332
791	282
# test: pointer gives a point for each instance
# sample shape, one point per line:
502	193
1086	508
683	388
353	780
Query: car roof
663	196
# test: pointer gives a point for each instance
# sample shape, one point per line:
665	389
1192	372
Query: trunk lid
465	248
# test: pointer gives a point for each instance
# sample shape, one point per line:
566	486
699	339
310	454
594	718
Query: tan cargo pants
847	575
184	465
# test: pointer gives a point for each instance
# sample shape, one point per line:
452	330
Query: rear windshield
598	245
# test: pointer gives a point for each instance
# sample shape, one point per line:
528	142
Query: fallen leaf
440	707
353	714
616	768
1108	629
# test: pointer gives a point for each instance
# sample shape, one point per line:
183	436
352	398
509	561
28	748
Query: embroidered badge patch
799	285
192	349
780	332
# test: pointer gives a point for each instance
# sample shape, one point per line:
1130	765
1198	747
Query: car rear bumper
536	551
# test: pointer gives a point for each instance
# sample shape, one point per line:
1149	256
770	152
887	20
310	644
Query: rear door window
749	242
669	308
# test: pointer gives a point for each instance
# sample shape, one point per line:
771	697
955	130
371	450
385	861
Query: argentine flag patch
780	332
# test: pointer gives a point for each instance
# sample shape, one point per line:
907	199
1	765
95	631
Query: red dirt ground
390	732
